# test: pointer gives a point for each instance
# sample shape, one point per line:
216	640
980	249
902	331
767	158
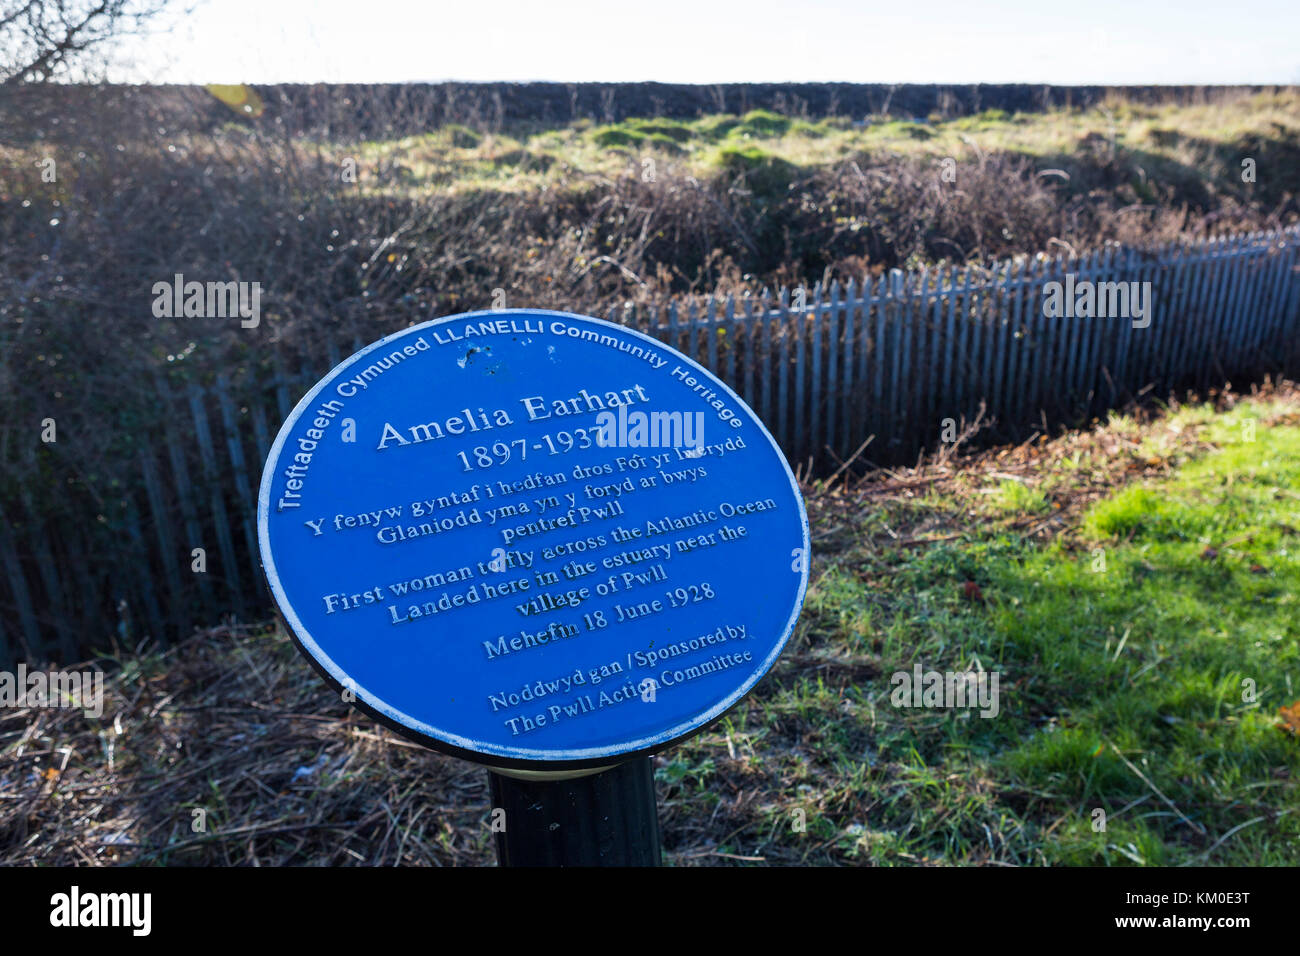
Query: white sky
710	41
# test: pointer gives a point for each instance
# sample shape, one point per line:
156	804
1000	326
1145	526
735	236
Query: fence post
783	399
602	819
18	585
895	338
832	365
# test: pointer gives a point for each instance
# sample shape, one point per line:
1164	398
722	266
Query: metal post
604	819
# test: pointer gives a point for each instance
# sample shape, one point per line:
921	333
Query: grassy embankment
1170	139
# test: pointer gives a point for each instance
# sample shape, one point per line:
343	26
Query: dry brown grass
234	722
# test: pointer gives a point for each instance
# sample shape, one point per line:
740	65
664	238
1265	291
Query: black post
605	819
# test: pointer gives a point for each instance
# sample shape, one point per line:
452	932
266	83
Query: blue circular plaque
533	539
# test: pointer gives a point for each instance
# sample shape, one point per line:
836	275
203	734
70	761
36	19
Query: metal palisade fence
901	359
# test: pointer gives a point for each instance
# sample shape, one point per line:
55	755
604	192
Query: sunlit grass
1142	656
528	156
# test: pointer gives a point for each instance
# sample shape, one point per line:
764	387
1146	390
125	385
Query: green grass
1173	640
1171	144
1015	497
1142	658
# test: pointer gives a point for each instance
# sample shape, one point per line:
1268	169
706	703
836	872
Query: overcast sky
709	41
